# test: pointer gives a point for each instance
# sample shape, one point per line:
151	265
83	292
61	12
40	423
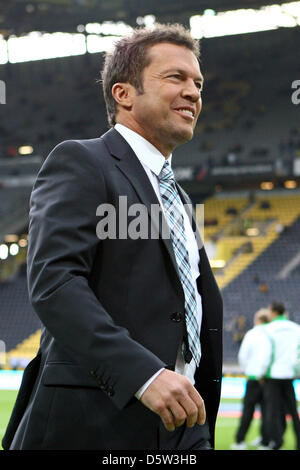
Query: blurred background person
249	359
281	354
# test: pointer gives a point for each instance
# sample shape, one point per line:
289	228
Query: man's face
167	112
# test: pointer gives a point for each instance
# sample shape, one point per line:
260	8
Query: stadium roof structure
19	17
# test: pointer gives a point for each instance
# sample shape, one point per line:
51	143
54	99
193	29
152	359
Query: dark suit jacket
112	309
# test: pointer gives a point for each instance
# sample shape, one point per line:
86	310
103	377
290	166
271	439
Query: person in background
281	358
249	360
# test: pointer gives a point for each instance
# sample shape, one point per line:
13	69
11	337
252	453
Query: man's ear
122	93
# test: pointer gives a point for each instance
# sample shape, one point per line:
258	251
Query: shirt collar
280	317
144	150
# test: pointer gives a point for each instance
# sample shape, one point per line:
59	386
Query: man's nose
191	91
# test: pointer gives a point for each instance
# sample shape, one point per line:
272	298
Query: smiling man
131	350
165	113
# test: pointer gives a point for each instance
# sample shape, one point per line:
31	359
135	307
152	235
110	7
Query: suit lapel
130	166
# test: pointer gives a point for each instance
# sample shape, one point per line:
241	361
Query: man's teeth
187	111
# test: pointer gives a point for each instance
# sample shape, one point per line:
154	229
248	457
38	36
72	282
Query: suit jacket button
177	317
110	391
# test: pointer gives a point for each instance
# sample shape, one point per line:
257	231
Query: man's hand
175	400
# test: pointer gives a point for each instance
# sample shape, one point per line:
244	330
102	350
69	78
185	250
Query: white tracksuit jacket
283	349
272	350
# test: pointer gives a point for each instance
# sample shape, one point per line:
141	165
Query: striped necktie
173	212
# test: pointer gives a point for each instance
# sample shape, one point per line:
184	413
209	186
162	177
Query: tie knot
166	173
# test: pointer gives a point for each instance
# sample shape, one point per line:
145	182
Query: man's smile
187	112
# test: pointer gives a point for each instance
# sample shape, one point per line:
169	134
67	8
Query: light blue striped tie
173	212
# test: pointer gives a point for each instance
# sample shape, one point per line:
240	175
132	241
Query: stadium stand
18	320
269	271
250	278
254	233
243	296
252	230
239	121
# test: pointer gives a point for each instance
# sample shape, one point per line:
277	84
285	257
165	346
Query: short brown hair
278	308
129	58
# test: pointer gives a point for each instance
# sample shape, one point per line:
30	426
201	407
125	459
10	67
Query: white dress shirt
152	161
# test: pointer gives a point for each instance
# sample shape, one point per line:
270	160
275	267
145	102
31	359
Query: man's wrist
141	390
